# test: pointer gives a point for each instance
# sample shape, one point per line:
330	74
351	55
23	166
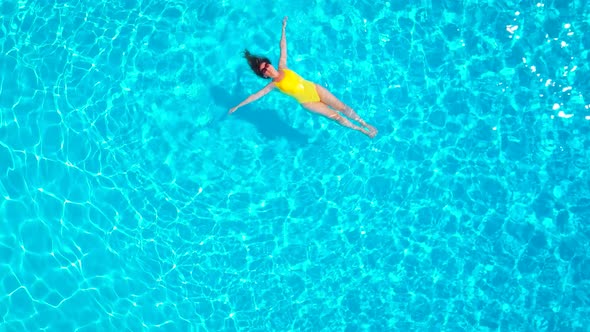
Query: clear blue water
130	202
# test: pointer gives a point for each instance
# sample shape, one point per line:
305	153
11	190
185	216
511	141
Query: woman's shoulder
282	73
286	71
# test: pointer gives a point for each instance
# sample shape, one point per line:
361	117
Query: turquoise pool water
130	202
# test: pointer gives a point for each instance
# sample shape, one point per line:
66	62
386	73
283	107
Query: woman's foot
367	132
372	130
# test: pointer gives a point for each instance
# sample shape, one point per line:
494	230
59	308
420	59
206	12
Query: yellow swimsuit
295	86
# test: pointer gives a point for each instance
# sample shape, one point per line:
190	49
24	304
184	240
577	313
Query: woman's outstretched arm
283	59
255	96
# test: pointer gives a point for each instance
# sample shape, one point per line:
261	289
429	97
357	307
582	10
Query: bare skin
328	106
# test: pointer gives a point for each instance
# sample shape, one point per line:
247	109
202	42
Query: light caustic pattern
128	202
559	81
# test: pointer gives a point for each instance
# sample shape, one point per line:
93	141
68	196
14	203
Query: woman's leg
323	109
328	98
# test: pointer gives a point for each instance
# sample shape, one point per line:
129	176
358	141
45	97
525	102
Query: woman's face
267	69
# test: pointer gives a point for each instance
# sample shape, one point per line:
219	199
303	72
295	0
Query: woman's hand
233	109
285	22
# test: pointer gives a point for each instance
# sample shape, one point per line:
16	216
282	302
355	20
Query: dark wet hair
255	61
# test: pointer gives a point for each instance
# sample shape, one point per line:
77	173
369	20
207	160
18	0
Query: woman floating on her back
313	97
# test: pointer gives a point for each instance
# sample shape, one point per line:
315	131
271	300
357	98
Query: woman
313	97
